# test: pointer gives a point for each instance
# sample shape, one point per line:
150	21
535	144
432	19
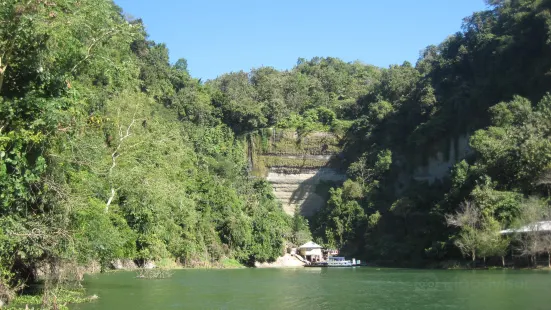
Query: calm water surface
324	288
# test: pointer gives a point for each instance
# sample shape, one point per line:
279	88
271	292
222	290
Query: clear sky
219	36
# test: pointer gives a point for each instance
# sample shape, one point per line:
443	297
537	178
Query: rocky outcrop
436	166
67	269
301	169
303	190
440	164
123	264
149	265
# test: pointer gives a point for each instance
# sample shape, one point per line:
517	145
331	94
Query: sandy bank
286	261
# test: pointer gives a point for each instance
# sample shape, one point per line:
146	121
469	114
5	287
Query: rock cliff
301	168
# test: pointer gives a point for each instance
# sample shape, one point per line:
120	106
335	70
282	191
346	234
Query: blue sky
220	36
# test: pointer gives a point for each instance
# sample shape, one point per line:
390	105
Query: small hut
311	251
528	241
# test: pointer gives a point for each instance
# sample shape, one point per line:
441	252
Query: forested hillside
108	151
486	83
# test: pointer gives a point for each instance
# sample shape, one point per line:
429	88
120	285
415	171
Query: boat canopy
337	258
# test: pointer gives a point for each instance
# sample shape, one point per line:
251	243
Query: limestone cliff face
301	169
440	164
437	166
303	190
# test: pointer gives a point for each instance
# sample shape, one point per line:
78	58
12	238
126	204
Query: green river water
324	288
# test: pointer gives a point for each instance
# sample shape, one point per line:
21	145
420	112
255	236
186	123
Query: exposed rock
149	265
299	189
67	269
301	169
440	164
91	268
124	264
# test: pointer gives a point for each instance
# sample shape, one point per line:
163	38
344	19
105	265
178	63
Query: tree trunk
2	71
4	60
548	259
116	155
503	261
474	259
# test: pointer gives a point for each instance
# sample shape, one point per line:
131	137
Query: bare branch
468	215
116	155
110	199
95	41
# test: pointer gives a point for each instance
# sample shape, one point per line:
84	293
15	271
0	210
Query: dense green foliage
314	95
413	113
394	122
107	151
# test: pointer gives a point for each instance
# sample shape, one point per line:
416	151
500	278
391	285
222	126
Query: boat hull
331	266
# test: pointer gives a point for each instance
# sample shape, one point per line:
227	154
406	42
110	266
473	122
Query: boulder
149	265
123	264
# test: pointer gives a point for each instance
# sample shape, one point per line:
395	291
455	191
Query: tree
236	99
370	166
181	65
468	219
480	221
545	242
300	230
533	241
340	219
492	242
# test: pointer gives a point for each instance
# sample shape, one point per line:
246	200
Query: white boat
341	262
